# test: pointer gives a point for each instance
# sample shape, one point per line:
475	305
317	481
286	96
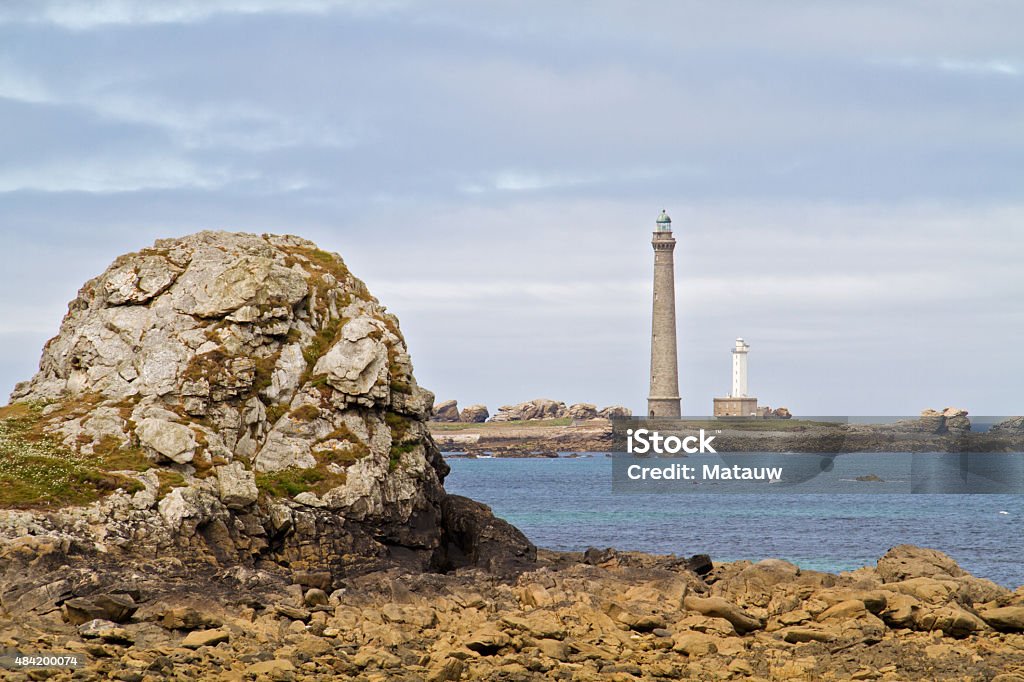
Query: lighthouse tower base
664	407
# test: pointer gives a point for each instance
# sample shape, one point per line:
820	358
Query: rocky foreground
602	615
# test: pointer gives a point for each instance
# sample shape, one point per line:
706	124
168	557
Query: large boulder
474	414
582	411
956	419
951	420
474	536
615	412
446	411
903	562
272	398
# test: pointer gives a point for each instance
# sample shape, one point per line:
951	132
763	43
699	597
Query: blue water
568	504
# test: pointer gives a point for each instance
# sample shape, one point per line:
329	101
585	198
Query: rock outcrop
545	408
446	411
539	408
1013	426
250	401
474	414
582	411
951	420
615	412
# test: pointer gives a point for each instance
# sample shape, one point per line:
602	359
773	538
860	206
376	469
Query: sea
569	503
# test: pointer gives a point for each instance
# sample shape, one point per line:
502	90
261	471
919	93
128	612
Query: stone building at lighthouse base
738	407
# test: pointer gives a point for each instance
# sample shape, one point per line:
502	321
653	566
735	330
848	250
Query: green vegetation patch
355	451
292	481
305	413
264	372
404	438
38	471
757	424
169	479
207	366
275	412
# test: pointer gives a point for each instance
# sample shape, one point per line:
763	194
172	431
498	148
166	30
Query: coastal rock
200	638
539	408
623	616
1006	618
476	537
446	411
782	413
956	419
116	608
474	414
358	361
950	420
277	398
717	607
615	412
907	561
236	485
175	442
1013	425
582	411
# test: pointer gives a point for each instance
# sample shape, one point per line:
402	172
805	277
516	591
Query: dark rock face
1013	426
700	564
475	537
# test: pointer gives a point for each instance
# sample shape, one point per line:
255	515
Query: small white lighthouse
738	403
739	369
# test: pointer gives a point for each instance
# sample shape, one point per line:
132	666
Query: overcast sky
845	181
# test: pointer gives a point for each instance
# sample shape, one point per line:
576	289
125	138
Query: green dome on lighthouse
664	223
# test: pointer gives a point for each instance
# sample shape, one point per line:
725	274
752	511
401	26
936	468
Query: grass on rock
38	471
290	482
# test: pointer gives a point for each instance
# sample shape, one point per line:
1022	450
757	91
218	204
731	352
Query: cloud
981	67
194	125
78	15
105	175
224	124
526	181
18	86
992	66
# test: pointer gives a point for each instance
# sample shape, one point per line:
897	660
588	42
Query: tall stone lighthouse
664	398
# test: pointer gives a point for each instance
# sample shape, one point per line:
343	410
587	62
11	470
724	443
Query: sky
844	179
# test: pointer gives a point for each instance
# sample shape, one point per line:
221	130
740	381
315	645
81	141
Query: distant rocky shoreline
538	409
948	430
